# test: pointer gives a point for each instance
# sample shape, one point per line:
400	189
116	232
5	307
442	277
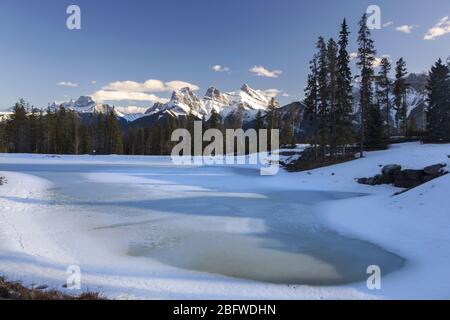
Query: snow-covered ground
126	221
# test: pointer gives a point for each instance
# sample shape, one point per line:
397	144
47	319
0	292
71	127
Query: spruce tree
259	121
323	94
366	58
344	97
312	100
17	128
400	86
384	86
332	65
438	111
287	130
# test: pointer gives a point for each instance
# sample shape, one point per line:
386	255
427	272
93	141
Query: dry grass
16	291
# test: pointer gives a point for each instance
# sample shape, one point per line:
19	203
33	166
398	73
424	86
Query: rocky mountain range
243	104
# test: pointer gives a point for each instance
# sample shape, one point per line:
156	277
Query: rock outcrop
393	174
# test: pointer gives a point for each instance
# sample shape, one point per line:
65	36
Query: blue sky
175	41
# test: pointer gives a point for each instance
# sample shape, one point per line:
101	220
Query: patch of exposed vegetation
314	158
16	291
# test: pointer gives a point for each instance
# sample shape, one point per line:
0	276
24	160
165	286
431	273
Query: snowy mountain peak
255	95
158	106
184	95
185	101
246	88
214	94
84	102
246	102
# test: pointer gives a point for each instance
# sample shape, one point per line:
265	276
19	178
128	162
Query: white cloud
271	92
377	61
219	68
151	85
177	85
105	95
131	109
440	29
94	82
139	91
67	84
405	28
260	71
387	24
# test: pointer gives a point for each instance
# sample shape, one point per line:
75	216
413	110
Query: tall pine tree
312	100
384	89
344	97
332	65
438	111
323	93
400	86
371	126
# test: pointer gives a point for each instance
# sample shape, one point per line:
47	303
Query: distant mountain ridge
183	102
243	105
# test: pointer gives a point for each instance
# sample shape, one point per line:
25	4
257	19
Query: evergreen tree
384	85
287	130
312	100
366	58
272	115
84	139
323	93
73	133
273	119
438	111
113	134
344	95
400	86
259	121
17	129
214	121
375	137
332	69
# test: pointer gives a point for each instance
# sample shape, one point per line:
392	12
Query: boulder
390	169
393	174
434	170
408	178
362	180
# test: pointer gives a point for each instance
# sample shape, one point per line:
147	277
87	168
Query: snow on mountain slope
247	101
416	100
4	115
86	104
215	100
83	104
130	113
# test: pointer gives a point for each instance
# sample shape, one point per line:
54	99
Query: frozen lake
217	220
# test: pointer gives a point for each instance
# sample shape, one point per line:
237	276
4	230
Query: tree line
29	130
329	94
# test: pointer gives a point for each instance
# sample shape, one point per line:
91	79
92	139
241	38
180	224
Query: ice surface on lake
219	220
